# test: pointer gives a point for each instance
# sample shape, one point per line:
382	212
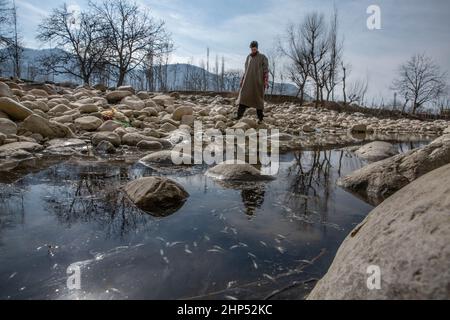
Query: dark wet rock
27	146
66	146
157	195
111	137
7	126
377	150
379	180
48	129
14	109
105	146
237	172
358	128
407	237
149	145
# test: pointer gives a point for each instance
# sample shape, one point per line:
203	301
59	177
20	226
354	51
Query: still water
245	241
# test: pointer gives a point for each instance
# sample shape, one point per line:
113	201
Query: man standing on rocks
254	82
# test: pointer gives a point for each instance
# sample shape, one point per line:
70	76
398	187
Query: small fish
231	298
218	247
242	244
115	290
254	264
172	244
13	275
166	260
161	252
206	237
230	284
251	255
186	249
263	243
281	249
281	236
215	250
195	244
160	239
224	230
265	275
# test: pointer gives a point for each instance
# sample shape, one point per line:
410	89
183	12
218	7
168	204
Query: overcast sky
228	26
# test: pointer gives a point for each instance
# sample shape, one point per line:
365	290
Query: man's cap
254	44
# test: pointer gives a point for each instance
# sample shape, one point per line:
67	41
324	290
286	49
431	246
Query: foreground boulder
165	158
15	110
26	146
407	237
156	195
236	172
379	180
48	129
376	151
88	123
117	96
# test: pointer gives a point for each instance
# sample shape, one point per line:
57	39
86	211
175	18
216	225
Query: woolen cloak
251	94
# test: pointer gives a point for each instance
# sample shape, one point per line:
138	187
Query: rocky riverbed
109	155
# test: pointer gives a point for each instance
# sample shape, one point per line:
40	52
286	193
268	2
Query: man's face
254	49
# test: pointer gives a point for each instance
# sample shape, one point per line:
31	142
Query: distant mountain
185	77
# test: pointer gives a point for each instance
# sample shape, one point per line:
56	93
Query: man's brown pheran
251	93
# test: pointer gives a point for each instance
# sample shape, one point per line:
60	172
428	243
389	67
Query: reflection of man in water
253	198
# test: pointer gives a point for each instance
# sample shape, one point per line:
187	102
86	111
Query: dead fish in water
186	249
281	236
161	239
265	275
195	244
206	237
215	250
231	283
234	247
218	247
304	261
263	243
224	230
161	252
13	275
254	264
166	260
281	250
230	298
172	244
243	244
251	255
233	230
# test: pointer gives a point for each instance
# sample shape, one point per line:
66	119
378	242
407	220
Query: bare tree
77	35
316	37
420	80
295	48
15	49
130	33
356	91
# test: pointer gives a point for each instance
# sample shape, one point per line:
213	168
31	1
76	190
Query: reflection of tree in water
11	212
310	184
92	194
253	198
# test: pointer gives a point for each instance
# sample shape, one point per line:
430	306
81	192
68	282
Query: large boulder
48	129
14	109
376	151
88	123
7	126
407	237
381	179
229	171
109	125
133	138
159	196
